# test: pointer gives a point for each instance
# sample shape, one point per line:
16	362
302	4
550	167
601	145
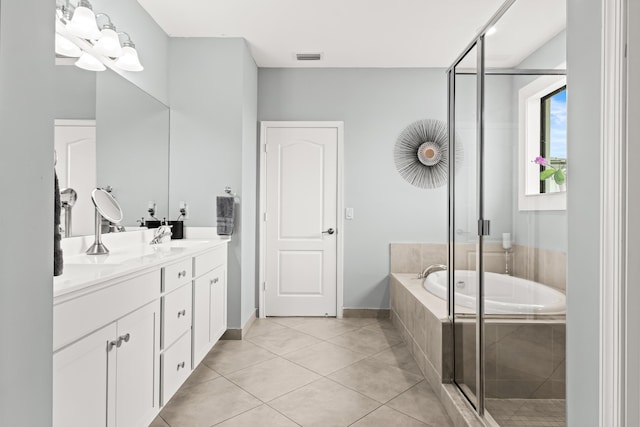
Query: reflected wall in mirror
110	133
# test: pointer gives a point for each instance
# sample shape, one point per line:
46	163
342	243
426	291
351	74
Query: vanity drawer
210	260
175	365
176	314
177	274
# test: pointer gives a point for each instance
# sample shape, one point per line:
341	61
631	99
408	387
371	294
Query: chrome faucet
431	269
161	232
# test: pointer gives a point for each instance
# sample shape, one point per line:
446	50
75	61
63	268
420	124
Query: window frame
529	130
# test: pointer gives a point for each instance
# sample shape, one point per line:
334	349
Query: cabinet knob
180	365
182	273
182	312
112	344
123	338
213	281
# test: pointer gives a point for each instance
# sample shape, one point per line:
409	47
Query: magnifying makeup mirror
108	208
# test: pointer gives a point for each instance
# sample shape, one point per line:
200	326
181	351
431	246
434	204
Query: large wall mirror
110	134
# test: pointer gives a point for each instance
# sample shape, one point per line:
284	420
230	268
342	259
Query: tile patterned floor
307	372
528	412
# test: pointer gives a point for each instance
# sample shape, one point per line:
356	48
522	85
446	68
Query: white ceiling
364	33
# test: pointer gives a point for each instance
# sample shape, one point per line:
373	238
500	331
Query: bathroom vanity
129	328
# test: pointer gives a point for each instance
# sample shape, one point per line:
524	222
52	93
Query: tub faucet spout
431	269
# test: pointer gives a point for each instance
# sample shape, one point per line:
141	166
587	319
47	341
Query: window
542	133
553	135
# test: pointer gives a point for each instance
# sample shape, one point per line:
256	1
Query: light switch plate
348	213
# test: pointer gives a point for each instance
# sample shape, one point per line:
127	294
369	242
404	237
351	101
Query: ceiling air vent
308	56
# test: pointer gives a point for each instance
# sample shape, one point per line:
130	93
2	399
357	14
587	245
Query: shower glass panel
464	226
524	255
507	217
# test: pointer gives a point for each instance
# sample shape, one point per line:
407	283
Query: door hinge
265	148
264	286
484	226
264	216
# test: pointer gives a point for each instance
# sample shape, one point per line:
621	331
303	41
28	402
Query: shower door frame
483	223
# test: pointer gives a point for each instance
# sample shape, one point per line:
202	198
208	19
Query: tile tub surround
539	265
525	359
422	320
336	372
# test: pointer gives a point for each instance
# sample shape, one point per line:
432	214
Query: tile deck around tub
308	372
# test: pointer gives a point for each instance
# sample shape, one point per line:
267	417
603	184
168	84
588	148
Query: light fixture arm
108	25
128	42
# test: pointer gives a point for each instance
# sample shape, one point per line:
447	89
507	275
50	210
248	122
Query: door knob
329	231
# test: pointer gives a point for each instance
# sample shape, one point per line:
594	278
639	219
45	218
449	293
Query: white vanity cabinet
125	343
209	301
108	377
177	303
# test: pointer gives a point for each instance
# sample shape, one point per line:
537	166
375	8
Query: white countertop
129	253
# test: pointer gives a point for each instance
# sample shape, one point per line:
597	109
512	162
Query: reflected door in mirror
75	143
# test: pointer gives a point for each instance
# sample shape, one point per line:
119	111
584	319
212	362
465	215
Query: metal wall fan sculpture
421	153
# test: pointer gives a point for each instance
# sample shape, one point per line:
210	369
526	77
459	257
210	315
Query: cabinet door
201	324
218	316
80	373
137	363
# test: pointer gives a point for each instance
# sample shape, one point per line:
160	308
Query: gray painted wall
152	44
132	147
375	105
209	146
75	93
583	200
26	179
249	184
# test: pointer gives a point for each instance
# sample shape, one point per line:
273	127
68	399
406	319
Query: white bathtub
503	294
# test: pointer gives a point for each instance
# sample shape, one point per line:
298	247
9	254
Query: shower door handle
329	231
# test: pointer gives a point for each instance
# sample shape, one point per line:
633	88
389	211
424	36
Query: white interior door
301	221
75	143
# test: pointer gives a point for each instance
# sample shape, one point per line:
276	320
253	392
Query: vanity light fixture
65	47
83	22
108	44
89	62
129	60
79	34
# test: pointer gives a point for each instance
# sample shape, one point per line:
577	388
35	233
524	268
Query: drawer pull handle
180	365
182	312
213	281
182	273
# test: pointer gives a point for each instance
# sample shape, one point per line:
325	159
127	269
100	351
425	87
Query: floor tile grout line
366	415
277	397
237	415
284	415
248	366
375	400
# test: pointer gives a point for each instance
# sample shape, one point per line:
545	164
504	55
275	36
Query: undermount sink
182	243
99	270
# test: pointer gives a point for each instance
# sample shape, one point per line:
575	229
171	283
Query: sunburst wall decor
421	153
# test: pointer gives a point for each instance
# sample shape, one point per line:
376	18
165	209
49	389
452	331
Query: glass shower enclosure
507	215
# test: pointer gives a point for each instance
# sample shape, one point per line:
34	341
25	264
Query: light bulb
109	43
83	24
89	62
64	47
129	60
